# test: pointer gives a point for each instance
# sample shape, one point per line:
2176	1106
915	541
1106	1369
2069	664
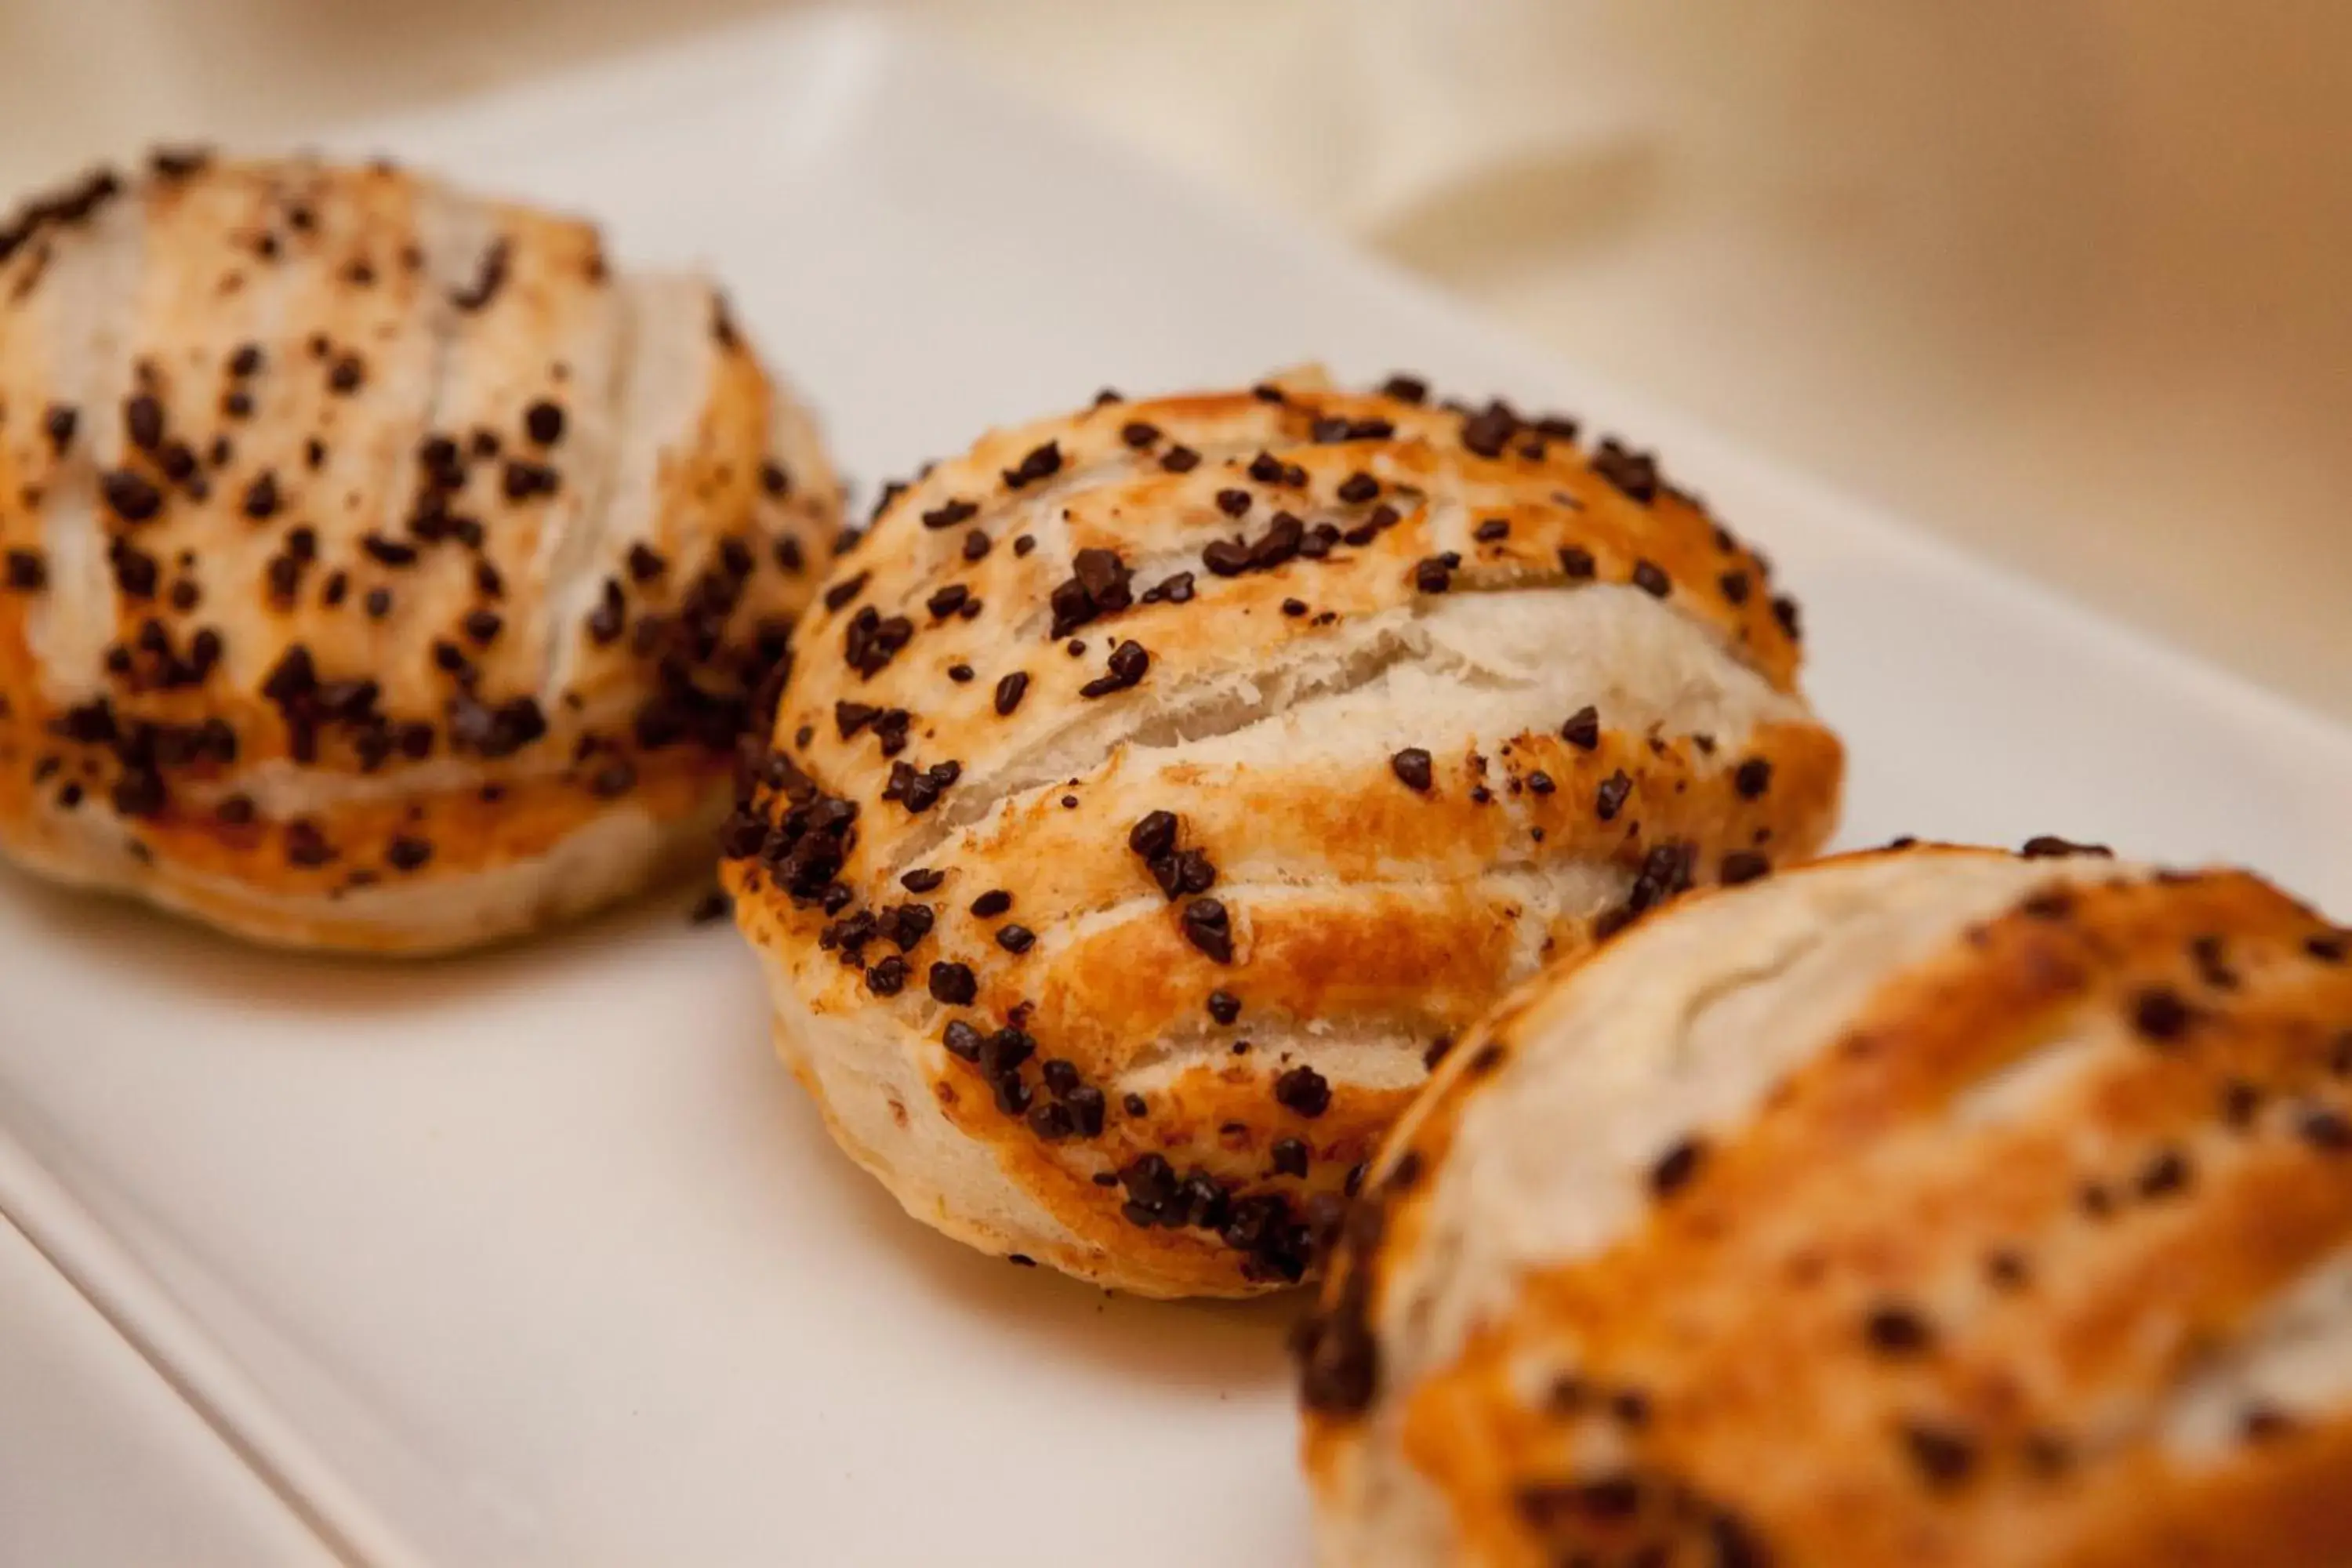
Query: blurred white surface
173	1494
2062	279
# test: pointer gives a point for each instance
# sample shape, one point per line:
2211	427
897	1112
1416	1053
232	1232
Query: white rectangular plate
539	1258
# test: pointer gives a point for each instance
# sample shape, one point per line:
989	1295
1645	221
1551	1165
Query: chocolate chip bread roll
1157	787
379	569
1930	1207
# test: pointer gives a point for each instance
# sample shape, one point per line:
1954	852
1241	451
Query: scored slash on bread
1930	1205
1155	784
384	570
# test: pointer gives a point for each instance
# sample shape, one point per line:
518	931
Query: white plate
539	1258
100	1460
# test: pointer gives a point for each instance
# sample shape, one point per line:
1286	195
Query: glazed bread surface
1932	1206
1158	786
379	568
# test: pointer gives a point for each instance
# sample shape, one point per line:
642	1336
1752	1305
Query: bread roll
1940	1206
1157	785
378	568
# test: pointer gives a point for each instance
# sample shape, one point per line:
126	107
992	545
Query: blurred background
2070	280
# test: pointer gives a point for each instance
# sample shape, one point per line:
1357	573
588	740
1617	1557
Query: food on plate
1159	787
380	568
1930	1207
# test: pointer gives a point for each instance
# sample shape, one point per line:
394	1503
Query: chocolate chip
1894	1329
488	276
1303	1092
1225	557
2264	1424
142	421
609	618
27	571
1582	729
405	853
261	498
1651	579
305	845
1943	1457
1040	463
1676	1167
57	423
1610	798
1432	575
1176	590
953	984
1412	766
1488	432
870	641
1154	835
1289	1157
131	497
950	512
991	904
135	571
1128	664
2050	846
2159	1015
1634	474
1183	873
1224	1006
1735	586
1014	938
1784	610
2165	1173
1742	866
520	480
1099	585
2325	1130
1208	927
543	423
1752	777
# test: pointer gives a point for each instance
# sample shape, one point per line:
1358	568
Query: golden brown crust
365	545
1943	1295
1079	630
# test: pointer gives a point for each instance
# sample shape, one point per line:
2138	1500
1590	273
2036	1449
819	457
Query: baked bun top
1932	1206
324	483
1230	749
